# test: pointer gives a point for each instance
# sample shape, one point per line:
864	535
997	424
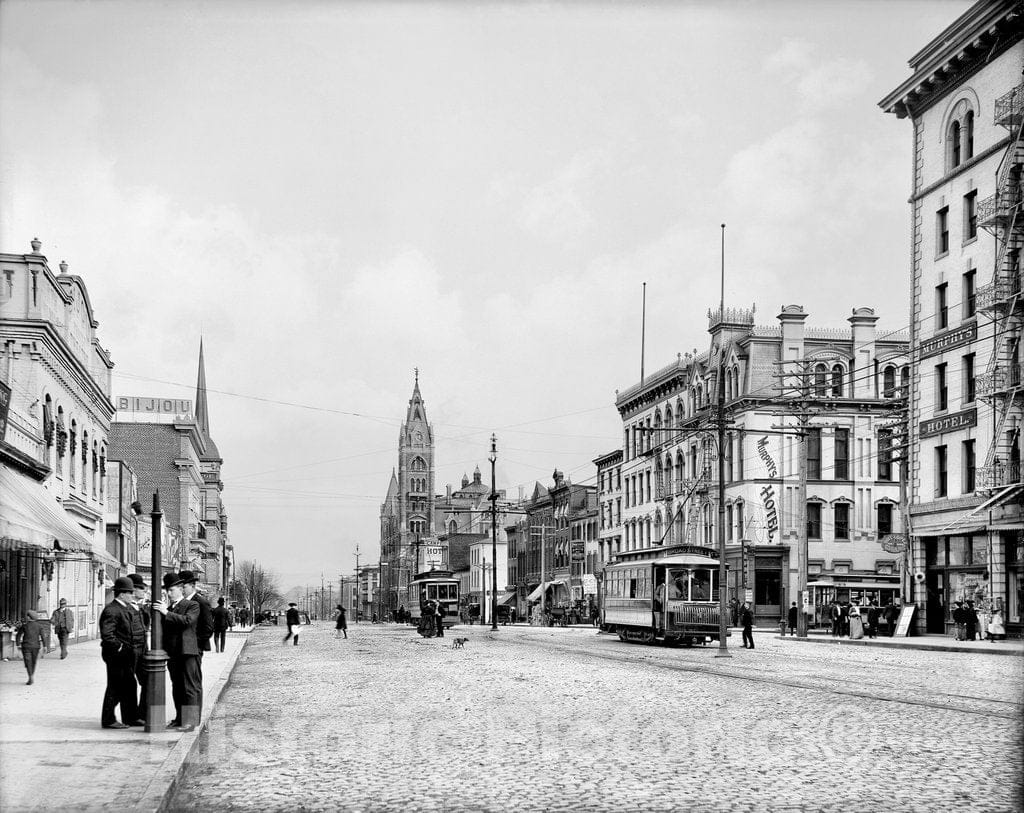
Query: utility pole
357	583
322	610
483	591
494	539
723	622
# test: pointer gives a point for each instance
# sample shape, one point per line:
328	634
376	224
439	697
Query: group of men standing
188	626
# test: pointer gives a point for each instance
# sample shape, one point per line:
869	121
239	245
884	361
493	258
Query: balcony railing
1009	106
996	210
1003	378
998	475
1005	286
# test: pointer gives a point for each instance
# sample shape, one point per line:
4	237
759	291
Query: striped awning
30	517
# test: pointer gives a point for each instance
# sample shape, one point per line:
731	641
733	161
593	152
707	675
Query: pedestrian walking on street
834	615
340	624
62	621
292	617
181	617
791	618
971	621
122	644
221	623
844	620
439	618
747	622
30	638
873	615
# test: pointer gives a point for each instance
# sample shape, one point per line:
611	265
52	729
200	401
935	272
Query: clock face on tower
419	437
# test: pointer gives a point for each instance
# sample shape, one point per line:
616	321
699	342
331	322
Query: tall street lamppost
493	457
155	659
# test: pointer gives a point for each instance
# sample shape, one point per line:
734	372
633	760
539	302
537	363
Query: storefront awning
31	518
969	523
506	598
535	595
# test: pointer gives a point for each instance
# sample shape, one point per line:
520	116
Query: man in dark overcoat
122	643
180	618
140	601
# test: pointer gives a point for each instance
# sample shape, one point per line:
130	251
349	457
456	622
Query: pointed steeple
202	411
417	413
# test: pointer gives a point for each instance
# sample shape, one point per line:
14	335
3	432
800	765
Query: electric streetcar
670	594
434	585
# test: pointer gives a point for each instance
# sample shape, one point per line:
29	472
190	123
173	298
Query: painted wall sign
948	340
771	512
948	423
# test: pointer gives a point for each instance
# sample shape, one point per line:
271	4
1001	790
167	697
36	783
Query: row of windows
1008	470
827	381
83	461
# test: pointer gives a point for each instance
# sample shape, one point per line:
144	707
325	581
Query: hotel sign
948	340
948	423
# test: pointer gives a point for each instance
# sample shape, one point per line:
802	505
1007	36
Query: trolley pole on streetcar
723	625
493	457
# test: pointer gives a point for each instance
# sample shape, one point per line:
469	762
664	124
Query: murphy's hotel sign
948	340
132	409
948	423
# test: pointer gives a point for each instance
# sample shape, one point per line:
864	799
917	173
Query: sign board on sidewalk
903	624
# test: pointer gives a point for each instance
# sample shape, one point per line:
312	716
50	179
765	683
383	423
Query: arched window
837	380
954	142
72	451
657	528
680	468
679	412
85	461
889	382
419	464
62	440
668	421
657	437
904	381
820	380
968	139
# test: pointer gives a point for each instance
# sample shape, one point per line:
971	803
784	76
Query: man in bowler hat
204	626
180	617
140	600
122	643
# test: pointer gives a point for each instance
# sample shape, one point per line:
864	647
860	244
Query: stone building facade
965	99
55	382
848	383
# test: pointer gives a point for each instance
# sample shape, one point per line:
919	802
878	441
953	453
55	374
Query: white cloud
558	208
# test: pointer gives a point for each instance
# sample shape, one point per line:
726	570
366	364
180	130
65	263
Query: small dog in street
458	643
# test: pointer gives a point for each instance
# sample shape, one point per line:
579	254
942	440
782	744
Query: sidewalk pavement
55	756
931	643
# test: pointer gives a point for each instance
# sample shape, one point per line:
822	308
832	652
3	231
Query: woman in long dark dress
339	624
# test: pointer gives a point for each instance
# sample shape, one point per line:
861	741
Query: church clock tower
416	477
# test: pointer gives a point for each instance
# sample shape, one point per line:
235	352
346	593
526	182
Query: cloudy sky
332	194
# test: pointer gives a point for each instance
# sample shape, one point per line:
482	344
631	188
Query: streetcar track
774	681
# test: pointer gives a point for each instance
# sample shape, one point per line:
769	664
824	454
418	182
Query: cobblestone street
566	719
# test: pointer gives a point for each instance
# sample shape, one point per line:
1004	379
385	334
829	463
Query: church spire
417	412
202	411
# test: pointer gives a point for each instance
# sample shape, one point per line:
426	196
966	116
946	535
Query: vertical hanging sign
771	513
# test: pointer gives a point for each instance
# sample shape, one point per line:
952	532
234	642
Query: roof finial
417	371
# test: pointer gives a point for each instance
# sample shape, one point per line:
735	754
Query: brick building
167	443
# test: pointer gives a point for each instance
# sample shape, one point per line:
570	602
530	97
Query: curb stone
161	787
974	650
